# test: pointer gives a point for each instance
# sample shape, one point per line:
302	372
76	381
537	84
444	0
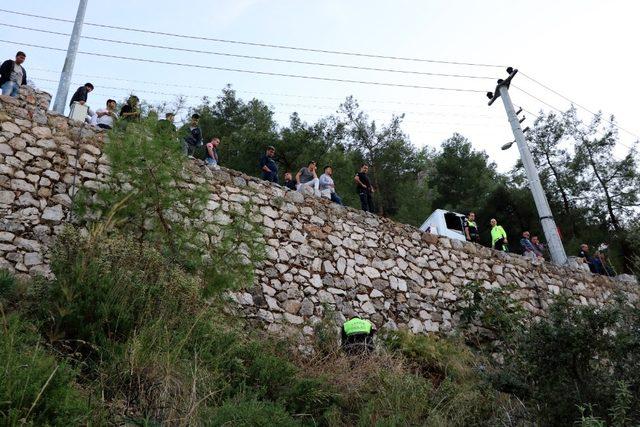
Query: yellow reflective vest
357	326
497	232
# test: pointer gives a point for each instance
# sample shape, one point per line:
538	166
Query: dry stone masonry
320	256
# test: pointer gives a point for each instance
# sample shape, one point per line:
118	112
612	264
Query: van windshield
453	221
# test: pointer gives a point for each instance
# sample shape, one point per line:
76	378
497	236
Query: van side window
453	221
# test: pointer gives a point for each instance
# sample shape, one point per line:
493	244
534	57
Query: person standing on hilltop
130	111
364	188
13	75
471	228
498	237
268	165
166	125
194	137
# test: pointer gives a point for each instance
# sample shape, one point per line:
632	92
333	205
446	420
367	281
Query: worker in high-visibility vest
357	336
471	228
498	237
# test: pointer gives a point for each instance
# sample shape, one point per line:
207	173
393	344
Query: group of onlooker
529	246
598	262
306	179
13	75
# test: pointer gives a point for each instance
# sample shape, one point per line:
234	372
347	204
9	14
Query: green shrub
460	394
8	286
106	288
579	363
35	388
255	413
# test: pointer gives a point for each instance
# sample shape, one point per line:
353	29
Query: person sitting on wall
81	94
526	246
327	184
307	177
537	246
105	117
212	154
357	336
288	181
586	257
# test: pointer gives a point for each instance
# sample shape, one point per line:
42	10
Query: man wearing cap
357	336
268	165
13	75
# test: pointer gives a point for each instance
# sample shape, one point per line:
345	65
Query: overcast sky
580	48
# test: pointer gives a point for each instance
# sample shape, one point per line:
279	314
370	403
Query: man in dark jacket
194	137
13	75
268	165
80	96
364	188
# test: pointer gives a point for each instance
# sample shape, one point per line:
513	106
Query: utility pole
558	255
67	69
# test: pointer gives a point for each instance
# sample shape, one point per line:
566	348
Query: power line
275	46
326	107
576	104
562	112
261	58
265	73
290	95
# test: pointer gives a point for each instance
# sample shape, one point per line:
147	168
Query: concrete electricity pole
558	255
67	69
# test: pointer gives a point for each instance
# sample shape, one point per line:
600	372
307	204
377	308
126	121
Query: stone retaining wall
319	255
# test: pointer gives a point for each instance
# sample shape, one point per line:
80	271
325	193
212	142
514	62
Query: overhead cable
290	95
261	58
576	104
275	46
239	70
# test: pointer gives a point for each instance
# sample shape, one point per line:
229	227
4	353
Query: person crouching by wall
357	336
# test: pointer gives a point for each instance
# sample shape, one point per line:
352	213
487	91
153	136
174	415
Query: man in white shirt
106	116
326	183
